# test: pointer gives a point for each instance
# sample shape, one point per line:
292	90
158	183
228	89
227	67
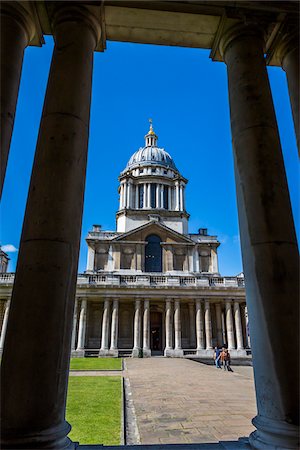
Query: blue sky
185	94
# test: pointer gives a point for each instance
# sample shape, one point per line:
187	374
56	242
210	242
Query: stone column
157	196
125	205
4	325
74	326
113	351
42	303
208	327
136	351
268	240
229	325
129	192
17	30
148	195
169	329
290	64
181	197
146	330
219	325
192	325
121	196
136	196
178	352
176	196
105	329
161	195
199	327
238	326
81	328
145	196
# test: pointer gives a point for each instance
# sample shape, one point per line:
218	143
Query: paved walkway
182	401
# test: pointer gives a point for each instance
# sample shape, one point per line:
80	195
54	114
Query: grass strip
96	364
94	409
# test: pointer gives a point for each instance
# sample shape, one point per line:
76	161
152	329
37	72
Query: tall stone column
149	195
105	329
181	197
192	325
238	326
4	325
268	240
113	351
199	327
144	195
81	328
125	194
162	205
169	330
136	351
208	326
178	352
74	326
219	324
229	325
290	63
176	196
146	330
17	30
42	303
169	198
121	196
157	196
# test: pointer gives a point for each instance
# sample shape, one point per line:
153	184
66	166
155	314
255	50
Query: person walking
217	356
225	359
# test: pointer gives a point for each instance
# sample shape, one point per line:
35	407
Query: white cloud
9	248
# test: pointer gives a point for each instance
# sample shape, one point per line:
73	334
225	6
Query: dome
146	156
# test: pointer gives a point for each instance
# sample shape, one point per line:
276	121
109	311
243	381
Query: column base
137	352
205	352
77	354
238	353
168	352
274	434
103	352
146	353
177	353
113	352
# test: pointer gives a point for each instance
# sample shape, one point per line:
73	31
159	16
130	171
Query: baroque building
151	287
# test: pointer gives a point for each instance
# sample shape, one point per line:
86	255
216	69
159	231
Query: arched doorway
156	331
153	254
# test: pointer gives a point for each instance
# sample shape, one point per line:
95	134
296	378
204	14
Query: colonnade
131	198
230	328
42	303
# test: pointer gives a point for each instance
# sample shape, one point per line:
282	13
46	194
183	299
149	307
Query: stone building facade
151	287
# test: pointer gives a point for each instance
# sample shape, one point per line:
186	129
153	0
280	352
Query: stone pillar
113	351
146	330
17	29
161	187
136	351
199	327
176	196
178	352
129	193
125	205
268	240
81	328
145	196
105	329
290	64
223	328
121	197
181	197
229	325
42	303
192	325
169	330
137	196
208	326
74	326
90	259
4	325
169	198
238	326
157	196
148	195
219	325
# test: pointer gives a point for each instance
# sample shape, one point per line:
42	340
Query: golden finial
151	127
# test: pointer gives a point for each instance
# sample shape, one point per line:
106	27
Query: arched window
153	254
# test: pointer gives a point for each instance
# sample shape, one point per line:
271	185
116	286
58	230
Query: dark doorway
153	254
156	333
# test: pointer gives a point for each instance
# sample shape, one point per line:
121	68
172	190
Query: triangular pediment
153	227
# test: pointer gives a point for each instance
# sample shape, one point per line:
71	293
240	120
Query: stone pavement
182	401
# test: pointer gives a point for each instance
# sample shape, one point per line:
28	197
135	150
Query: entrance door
153	254
156	333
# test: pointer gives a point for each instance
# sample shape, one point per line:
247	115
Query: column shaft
229	326
177	329
145	196
146	329
238	326
219	324
192	325
268	240
199	326
137	329
208	327
169	198
157	196
105	328
169	328
82	325
46	274
114	327
148	195
4	325
74	325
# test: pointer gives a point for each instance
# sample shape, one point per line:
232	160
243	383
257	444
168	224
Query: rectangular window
153	195
166	198
141	195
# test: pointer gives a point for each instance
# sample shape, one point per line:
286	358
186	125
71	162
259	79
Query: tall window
153	254
153	195
166	200
141	195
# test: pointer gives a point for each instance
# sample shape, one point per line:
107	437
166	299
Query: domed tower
151	188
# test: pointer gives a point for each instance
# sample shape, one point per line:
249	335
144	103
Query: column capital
22	16
240	31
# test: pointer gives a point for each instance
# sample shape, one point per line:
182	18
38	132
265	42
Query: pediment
165	233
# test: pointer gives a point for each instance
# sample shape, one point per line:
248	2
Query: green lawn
94	409
96	364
